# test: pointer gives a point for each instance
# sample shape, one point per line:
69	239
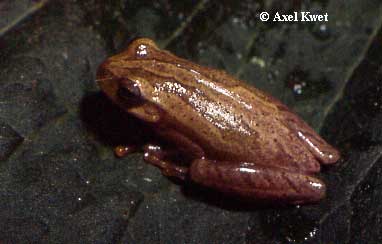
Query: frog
226	135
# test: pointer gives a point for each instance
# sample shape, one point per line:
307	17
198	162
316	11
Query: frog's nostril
103	74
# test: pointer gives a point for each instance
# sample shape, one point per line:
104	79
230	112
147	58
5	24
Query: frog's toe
324	152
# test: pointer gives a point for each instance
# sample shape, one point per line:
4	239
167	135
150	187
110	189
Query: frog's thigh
252	181
183	143
154	155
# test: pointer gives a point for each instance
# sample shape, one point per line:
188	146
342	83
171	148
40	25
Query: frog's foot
323	151
251	181
154	155
123	151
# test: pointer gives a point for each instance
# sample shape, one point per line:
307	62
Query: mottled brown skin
240	140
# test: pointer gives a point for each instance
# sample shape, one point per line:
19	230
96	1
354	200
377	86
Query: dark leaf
63	183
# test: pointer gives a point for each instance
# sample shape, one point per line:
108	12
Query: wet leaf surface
59	179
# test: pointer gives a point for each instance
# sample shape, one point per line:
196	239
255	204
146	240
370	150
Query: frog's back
228	119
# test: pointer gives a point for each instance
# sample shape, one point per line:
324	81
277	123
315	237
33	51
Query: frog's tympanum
230	136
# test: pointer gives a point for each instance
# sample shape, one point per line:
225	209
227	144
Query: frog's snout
102	72
106	80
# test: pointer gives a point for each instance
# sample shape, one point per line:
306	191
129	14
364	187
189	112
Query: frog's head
125	81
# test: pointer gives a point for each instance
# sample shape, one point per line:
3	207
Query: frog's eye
129	91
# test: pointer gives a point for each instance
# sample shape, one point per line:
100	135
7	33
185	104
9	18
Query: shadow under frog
110	124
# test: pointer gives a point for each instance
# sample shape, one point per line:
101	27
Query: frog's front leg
155	155
252	181
123	151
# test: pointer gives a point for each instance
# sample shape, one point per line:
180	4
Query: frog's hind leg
155	156
253	182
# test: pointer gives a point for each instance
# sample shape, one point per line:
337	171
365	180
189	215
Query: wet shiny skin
240	140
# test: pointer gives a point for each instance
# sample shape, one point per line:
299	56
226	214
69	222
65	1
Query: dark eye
129	91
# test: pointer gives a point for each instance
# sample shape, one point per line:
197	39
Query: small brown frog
233	138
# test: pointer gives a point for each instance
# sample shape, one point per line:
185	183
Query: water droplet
303	87
321	31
